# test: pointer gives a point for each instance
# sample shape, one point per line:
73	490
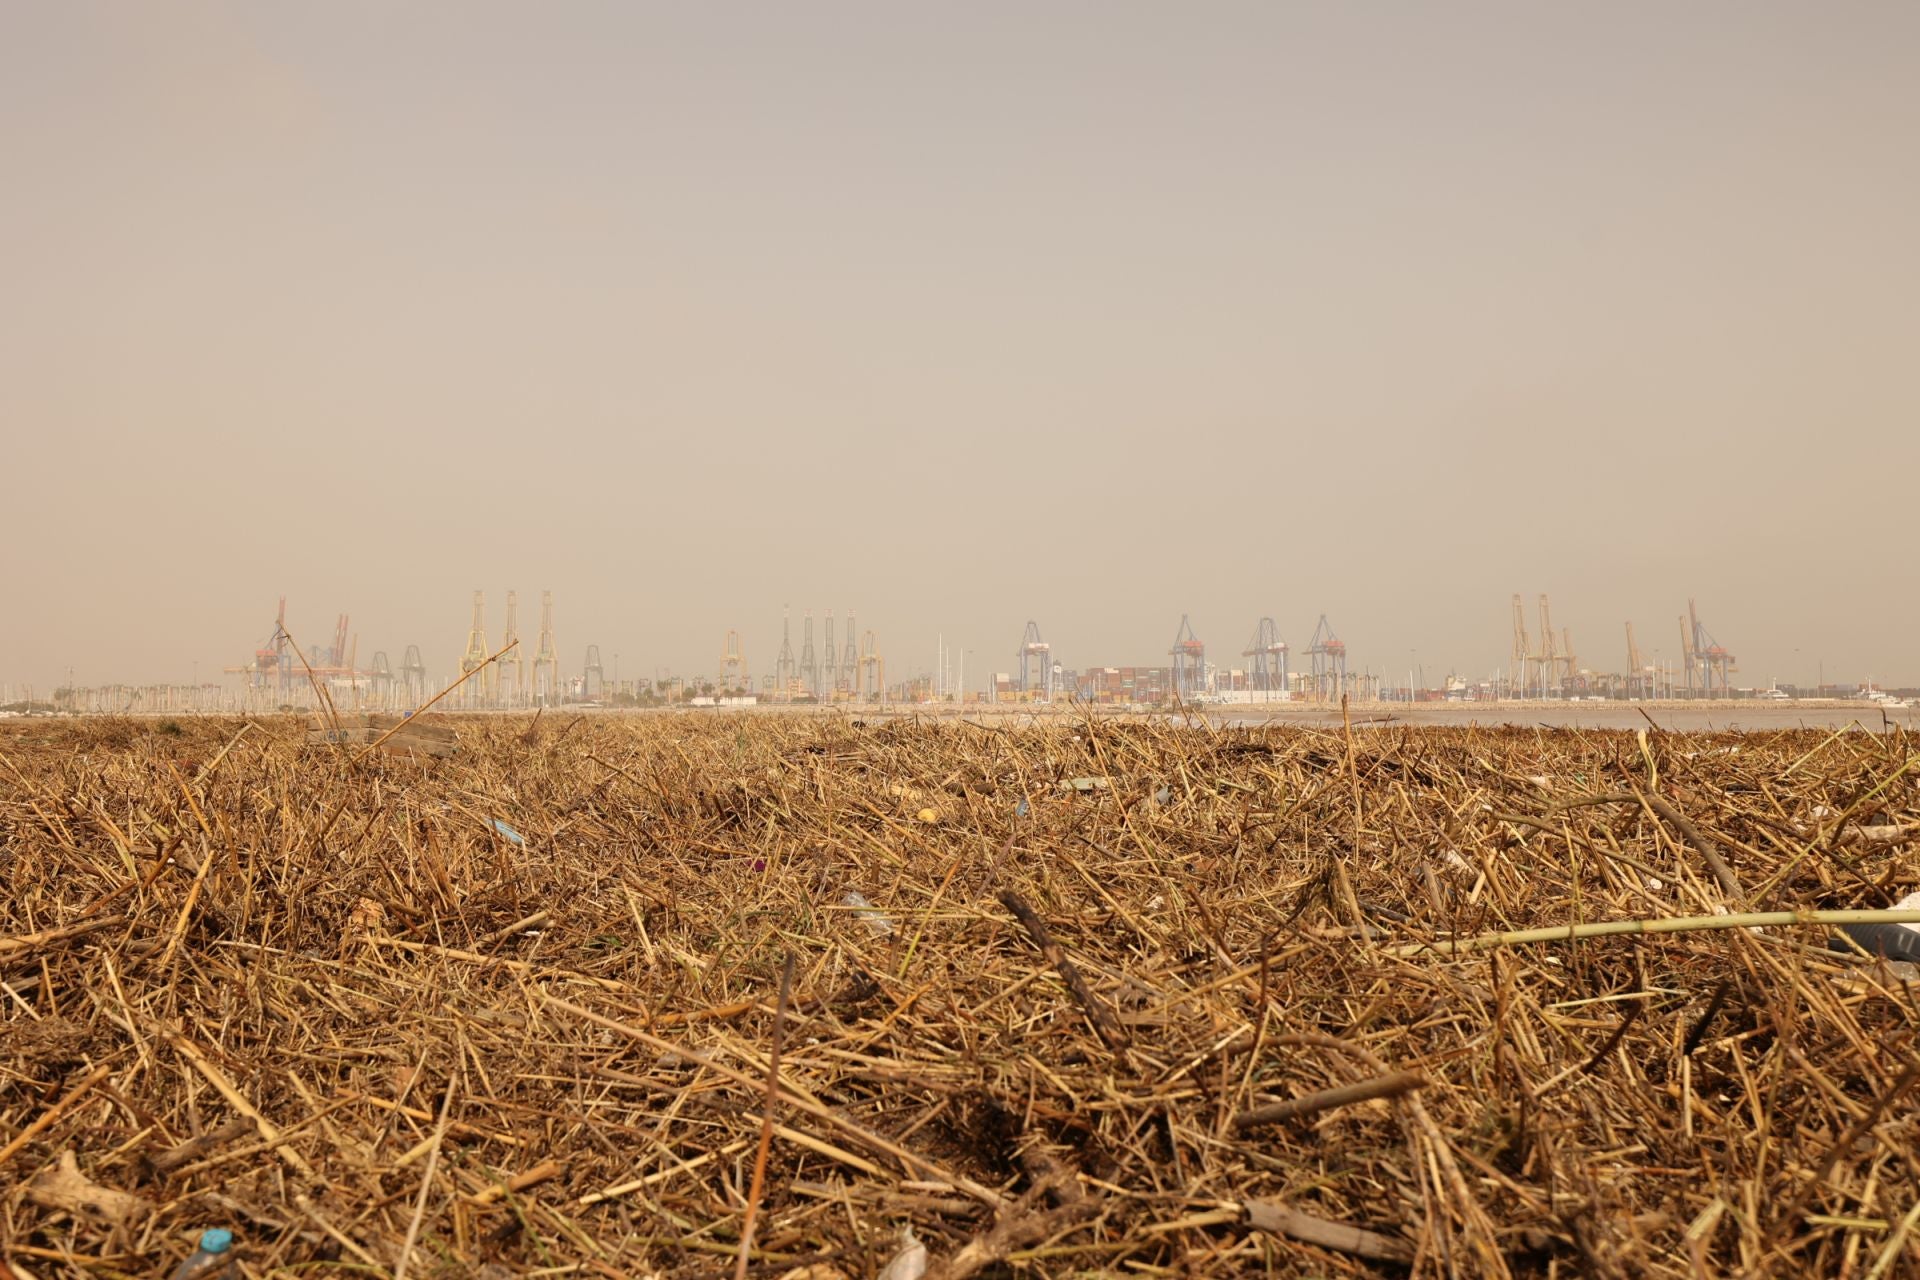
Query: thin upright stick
370	747
766	1122
426	1181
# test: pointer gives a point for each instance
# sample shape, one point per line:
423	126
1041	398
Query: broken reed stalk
47	937
859	1132
426	1179
53	1113
1844	1143
1699	1029
1391	1086
1613	1041
1349	900
1104	1024
373	746
545	1171
538	920
768	1109
1668	924
1706	848
1663	809
319	692
192	1149
1338	1236
1022	1226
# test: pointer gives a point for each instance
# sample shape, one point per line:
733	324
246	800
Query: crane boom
1547	659
1522	649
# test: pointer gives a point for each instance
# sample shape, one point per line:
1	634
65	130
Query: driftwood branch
165	1162
1326	1099
1105	1025
1328	1234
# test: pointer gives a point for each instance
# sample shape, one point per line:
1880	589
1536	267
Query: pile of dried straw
1082	997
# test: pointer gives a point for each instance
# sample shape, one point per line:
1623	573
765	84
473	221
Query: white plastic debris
910	1263
866	913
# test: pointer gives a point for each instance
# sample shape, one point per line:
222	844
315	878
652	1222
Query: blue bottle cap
216	1240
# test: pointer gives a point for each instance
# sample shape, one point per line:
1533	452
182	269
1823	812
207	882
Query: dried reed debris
1079	997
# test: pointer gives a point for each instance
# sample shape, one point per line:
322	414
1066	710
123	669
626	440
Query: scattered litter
866	913
509	832
928	815
911	1262
212	1257
1894	941
650	994
1163	796
1084	784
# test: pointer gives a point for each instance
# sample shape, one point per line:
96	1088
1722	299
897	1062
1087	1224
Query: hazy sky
959	315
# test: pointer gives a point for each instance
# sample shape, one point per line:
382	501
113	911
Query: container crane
1036	665
733	665
1636	673
850	661
1328	653
1715	663
1189	662
873	671
476	654
1547	661
1269	654
546	657
1522	649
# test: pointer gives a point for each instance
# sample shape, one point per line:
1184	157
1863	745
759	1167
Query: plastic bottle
212	1258
1894	941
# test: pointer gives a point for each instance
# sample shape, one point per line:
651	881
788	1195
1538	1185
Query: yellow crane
1636	673
1522	648
873	671
733	665
476	654
1547	661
